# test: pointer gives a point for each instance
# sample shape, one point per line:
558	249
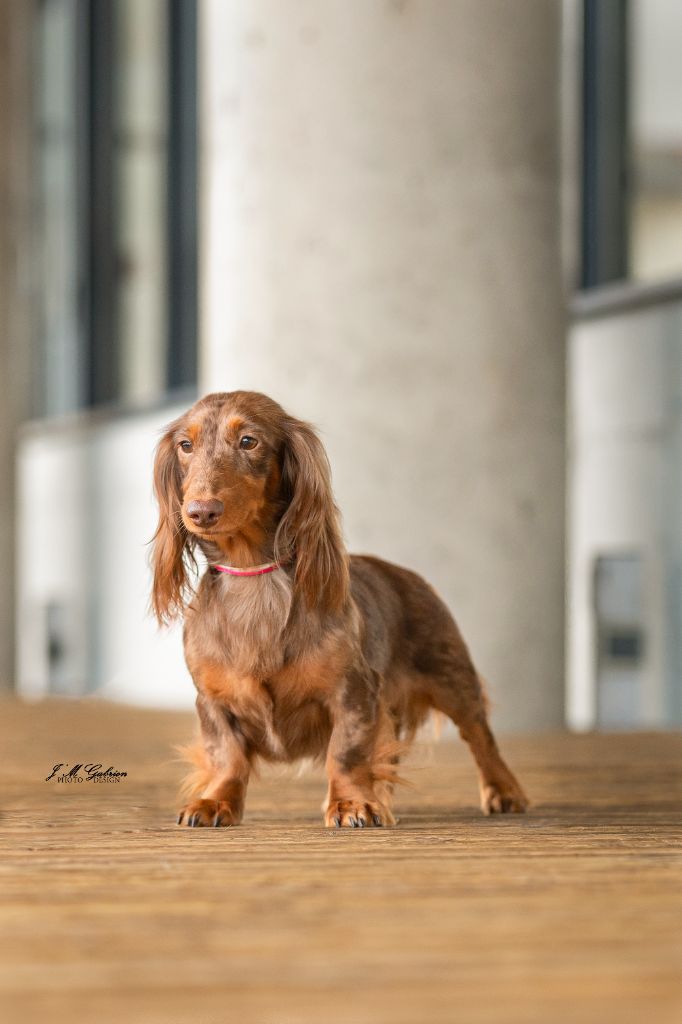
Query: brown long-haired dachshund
296	648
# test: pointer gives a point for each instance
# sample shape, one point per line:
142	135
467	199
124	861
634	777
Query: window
656	139
117	223
632	141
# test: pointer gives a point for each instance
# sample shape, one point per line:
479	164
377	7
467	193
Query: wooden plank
110	913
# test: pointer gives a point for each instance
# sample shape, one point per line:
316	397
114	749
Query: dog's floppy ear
171	542
309	530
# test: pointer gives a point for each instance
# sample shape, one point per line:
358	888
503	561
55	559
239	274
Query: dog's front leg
352	799
224	770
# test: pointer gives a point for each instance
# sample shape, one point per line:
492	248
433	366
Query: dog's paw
357	814
208	813
498	799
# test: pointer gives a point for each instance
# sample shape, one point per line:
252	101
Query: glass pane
60	367
656	132
139	155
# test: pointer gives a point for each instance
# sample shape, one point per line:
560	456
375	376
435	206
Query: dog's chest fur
247	620
236	652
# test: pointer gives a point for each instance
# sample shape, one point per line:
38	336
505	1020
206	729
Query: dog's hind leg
460	695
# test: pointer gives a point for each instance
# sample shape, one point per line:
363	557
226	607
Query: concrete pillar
15	225
381	254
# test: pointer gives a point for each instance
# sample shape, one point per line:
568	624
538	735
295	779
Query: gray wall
625	485
381	254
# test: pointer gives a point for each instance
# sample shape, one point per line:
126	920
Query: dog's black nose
205	513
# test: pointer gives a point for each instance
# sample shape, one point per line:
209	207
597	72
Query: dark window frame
182	213
98	210
605	144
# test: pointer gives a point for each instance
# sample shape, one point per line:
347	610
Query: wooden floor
111	914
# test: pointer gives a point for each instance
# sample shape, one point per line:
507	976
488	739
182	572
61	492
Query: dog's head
236	466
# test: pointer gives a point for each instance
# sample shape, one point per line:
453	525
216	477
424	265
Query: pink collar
256	570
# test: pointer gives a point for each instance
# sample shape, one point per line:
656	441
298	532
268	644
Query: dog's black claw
181	815
376	821
361	822
352	822
216	821
194	821
337	822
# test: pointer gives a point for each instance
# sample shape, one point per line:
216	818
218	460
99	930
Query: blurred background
449	234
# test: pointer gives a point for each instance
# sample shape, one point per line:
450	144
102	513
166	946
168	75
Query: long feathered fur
173	547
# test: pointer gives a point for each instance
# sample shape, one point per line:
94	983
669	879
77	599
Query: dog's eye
186	446
248	443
